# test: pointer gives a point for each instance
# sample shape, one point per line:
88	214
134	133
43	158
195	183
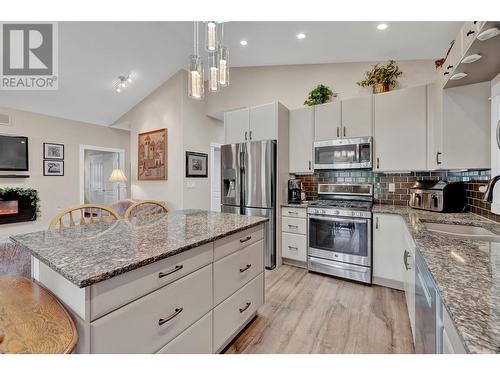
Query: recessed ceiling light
243	42
382	26
471	58
457	76
301	36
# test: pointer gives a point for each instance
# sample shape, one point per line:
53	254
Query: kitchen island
185	283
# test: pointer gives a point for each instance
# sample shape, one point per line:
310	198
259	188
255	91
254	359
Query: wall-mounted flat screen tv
13	153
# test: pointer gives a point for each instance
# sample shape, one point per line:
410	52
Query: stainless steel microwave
345	153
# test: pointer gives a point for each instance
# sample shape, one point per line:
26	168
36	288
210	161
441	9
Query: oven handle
339	219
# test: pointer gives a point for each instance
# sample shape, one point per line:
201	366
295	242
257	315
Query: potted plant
319	95
382	77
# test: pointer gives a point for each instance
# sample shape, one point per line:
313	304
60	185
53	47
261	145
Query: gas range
339	231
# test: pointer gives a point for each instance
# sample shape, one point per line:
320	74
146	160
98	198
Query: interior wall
56	192
189	129
290	84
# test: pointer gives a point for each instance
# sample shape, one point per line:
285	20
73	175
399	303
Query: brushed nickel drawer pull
293	247
247	305
293	212
244	269
176	268
248	238
169	318
292	226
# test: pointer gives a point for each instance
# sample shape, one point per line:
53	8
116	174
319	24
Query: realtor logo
28	56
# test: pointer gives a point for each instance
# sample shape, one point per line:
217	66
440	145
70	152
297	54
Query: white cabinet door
467	126
301	130
236	125
357	117
408	267
263	122
387	250
401	130
327	121
434	126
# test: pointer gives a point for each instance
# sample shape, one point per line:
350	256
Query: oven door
341	239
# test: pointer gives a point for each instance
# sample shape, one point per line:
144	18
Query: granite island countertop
89	255
466	272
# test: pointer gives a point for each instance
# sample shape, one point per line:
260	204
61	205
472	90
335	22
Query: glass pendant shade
223	66
211	36
195	78
213	72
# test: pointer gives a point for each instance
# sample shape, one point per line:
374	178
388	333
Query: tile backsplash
473	179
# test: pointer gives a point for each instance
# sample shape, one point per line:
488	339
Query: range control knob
336	212
323	212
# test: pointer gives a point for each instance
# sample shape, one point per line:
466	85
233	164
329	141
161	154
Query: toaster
438	196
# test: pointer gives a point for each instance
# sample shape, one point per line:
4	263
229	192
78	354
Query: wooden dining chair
82	215
146	211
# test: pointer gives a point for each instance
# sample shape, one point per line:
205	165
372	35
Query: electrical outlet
392	188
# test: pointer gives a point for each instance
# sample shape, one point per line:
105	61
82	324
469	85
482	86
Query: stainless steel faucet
488	194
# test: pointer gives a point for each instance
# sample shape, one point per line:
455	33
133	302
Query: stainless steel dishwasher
426	309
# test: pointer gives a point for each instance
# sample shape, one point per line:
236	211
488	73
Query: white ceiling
93	54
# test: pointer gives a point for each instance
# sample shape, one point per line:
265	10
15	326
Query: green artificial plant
319	95
382	74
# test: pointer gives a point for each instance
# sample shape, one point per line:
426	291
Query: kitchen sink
463	231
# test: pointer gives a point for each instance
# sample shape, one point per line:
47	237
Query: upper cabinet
400	125
343	119
237	125
301	130
476	38
357	117
258	123
327	121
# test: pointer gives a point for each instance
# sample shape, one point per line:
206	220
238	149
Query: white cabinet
327	121
357	117
466	127
401	130
237	125
263	120
452	344
257	123
388	247
301	130
408	255
294	235
434	126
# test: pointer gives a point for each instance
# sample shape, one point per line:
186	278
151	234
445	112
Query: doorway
215	182
96	167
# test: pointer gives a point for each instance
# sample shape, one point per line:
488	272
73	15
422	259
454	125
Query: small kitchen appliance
340	231
294	191
345	153
438	196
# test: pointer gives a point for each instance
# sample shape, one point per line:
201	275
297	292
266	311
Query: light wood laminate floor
310	313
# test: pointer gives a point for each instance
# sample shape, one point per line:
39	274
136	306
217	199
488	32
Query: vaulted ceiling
93	54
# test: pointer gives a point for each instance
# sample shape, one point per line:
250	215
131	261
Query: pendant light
211	36
213	72
223	61
196	78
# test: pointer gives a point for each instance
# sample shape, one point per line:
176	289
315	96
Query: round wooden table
32	320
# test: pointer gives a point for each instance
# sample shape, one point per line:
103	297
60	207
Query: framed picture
152	155
53	168
53	151
196	164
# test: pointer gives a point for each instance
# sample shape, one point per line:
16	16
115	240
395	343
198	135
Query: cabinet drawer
294	246
138	326
230	315
235	270
237	241
293	225
122	289
293	212
197	339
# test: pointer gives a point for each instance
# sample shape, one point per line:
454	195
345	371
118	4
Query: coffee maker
294	191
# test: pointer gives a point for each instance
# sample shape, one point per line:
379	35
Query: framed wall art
152	155
53	168
54	151
196	164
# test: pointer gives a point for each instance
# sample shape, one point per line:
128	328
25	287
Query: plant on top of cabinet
319	95
382	77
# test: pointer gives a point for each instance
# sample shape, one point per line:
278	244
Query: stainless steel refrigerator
248	174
